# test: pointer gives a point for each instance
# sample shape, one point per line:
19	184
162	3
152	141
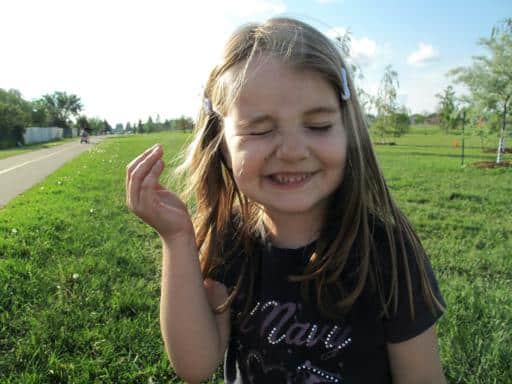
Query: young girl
297	267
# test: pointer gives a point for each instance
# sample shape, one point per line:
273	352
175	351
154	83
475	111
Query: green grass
462	215
4	153
80	275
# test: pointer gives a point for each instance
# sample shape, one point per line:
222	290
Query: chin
294	209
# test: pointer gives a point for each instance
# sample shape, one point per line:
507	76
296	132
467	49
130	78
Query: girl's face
285	142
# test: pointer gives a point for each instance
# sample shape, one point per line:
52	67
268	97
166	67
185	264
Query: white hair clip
207	106
345	94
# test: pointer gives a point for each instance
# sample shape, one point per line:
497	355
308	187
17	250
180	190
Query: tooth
290	179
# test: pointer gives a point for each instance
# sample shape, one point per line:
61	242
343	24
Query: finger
149	199
140	172
133	164
130	169
151	179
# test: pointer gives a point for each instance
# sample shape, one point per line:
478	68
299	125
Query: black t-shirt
286	341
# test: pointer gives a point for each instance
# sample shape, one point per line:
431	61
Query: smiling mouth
290	178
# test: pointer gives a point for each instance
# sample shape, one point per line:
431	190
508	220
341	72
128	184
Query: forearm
189	330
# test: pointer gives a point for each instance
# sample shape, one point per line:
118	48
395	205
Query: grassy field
4	153
80	275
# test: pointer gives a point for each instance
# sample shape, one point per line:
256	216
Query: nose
292	146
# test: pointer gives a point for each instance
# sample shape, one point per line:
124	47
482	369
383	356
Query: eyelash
259	133
320	128
317	128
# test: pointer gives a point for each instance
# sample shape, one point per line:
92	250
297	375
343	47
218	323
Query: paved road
19	173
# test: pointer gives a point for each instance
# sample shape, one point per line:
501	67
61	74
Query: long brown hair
223	215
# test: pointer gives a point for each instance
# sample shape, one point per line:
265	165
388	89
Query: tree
419	118
13	97
366	101
107	128
489	79
149	126
13	121
15	115
480	125
386	104
96	125
140	127
344	43
184	123
447	109
60	107
39	114
83	124
399	122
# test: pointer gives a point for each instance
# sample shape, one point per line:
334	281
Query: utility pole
463	123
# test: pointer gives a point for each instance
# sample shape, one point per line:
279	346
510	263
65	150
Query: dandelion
59	182
14	231
91	210
75	276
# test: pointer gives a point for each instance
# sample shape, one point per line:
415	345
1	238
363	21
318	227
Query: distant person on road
296	266
84	137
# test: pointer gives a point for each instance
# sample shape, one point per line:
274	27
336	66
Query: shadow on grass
432	154
437	146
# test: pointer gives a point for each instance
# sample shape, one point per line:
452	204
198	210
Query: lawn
80	275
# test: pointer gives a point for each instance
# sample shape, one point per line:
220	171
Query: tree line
60	109
16	113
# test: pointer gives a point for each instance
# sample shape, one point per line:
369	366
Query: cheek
332	151
243	161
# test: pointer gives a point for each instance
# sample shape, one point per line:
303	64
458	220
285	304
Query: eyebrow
264	118
317	110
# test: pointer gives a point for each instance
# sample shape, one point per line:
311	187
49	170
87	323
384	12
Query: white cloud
425	53
363	50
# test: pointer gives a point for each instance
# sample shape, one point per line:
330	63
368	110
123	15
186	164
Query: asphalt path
19	173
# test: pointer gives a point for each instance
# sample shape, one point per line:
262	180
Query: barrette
345	94
207	106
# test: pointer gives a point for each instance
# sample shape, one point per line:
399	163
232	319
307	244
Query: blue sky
131	59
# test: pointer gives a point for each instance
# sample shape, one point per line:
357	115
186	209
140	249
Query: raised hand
153	203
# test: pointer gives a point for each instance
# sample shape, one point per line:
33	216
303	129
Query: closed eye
260	133
319	128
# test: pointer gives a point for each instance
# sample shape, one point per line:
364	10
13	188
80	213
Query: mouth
291	179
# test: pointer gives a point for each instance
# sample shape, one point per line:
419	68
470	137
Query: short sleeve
227	270
400	326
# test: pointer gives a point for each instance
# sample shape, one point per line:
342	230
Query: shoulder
403	275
